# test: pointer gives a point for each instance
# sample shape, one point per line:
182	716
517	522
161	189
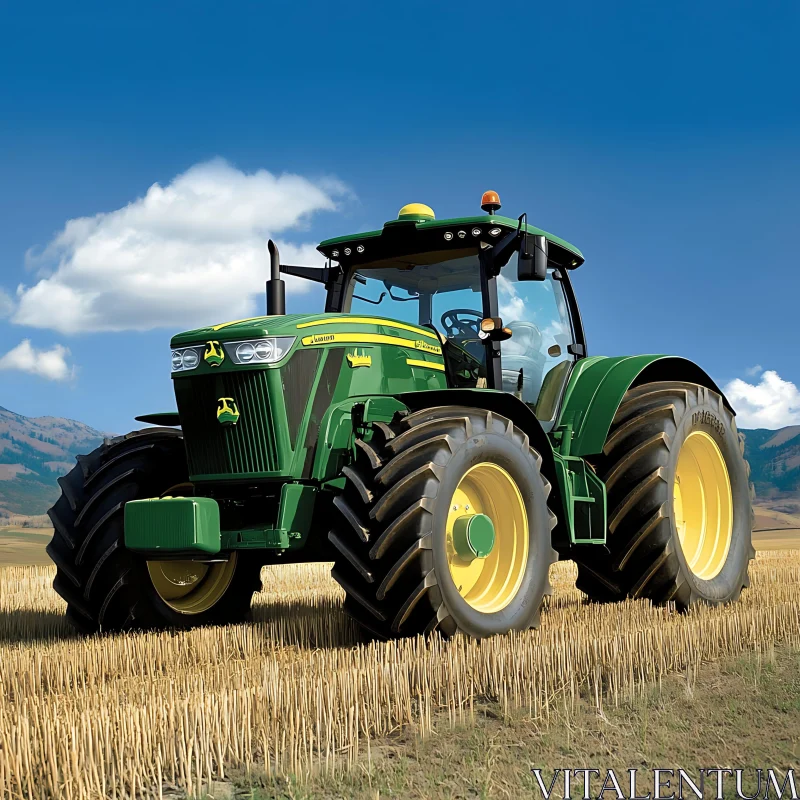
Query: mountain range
34	451
774	458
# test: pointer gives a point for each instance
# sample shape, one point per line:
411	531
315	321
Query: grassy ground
293	693
693	720
292	686
775	530
24	546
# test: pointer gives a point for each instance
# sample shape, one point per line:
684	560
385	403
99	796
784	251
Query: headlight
190	359
259	351
185	358
244	353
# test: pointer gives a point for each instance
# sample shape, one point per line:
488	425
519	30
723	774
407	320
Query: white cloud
6	305
50	364
771	403
751	372
188	253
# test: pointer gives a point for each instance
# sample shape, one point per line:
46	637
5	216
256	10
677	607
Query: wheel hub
473	536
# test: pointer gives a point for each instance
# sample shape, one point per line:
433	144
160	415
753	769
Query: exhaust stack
276	286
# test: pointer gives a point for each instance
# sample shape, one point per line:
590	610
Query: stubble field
295	693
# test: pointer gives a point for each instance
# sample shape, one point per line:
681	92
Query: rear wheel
679	499
444	525
109	587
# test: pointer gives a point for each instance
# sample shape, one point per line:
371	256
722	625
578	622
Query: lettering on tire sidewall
707	419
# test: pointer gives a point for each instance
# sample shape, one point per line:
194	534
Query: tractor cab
504	321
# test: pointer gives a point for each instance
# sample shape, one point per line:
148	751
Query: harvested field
24	546
775	530
294	692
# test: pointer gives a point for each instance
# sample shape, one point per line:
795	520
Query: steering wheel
456	327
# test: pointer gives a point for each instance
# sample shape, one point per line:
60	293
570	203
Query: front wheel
679	499
111	588
444	525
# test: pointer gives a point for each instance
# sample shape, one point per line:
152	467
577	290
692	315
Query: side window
536	313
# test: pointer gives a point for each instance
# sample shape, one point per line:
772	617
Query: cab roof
459	232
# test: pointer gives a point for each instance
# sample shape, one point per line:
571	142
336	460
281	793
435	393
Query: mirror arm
316	274
504	249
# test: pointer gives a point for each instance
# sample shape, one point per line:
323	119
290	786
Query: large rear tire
444	525
110	588
679	499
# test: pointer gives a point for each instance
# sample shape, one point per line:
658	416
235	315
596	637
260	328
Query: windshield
445	295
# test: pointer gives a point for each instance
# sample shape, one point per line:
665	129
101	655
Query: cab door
537	357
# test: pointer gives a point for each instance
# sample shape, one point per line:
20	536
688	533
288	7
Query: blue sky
662	139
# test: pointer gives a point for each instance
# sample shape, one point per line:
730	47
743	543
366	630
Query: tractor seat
523	351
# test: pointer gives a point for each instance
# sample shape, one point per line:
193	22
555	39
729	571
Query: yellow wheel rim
703	505
191	587
490	583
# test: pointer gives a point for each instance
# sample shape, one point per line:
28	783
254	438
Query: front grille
245	448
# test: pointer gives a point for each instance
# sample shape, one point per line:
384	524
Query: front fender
163	418
598	384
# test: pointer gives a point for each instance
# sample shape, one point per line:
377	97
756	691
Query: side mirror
532	260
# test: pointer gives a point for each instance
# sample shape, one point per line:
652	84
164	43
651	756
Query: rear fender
509	406
597	386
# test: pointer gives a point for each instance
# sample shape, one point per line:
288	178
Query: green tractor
439	433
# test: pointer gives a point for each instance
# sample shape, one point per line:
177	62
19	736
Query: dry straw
126	716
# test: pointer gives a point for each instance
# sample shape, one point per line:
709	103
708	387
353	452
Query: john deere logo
214	354
227	412
359	360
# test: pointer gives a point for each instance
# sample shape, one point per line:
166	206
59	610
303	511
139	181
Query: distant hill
34	451
774	458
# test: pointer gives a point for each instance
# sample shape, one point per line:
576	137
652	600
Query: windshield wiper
367	300
401	299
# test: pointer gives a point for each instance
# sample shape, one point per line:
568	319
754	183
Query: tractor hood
251	328
310	330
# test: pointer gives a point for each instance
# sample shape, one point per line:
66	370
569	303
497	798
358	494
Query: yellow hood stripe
236	322
370	338
371	321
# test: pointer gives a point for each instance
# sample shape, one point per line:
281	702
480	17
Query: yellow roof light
416	211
